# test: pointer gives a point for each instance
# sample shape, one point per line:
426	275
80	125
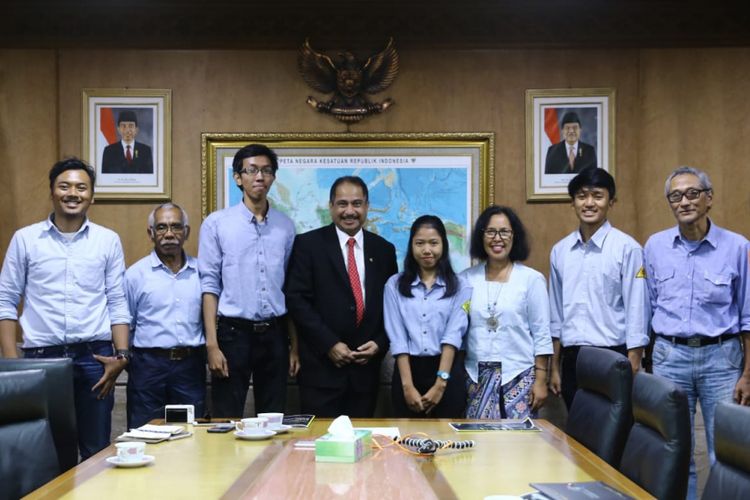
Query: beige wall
674	107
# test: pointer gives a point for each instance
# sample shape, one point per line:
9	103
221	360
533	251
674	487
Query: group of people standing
262	303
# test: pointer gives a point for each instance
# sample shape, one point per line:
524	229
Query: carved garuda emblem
349	80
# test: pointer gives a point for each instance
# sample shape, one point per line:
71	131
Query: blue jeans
707	374
93	416
155	381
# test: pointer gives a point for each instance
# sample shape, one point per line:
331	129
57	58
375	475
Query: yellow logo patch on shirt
641	273
466	306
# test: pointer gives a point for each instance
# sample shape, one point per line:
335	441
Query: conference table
209	465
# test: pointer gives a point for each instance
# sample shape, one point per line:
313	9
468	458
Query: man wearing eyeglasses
598	293
700	296
167	364
242	258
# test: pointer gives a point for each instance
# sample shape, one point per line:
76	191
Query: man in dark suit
570	156
334	293
127	156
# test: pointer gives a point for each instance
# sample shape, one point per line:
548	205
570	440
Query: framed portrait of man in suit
127	138
408	174
567	130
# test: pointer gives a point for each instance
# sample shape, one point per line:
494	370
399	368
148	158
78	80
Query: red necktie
572	158
354	281
128	156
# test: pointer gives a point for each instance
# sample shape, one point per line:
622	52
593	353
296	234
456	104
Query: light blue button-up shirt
522	308
243	261
704	291
165	306
72	289
420	325
598	290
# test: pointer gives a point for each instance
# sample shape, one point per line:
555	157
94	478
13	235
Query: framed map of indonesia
445	174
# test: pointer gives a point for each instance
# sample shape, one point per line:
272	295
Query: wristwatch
443	375
123	354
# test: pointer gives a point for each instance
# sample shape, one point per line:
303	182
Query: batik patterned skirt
484	398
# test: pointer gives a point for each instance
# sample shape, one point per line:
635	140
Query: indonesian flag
551	128
107	133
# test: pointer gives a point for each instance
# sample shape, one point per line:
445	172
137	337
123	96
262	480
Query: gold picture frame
447	174
548	167
145	173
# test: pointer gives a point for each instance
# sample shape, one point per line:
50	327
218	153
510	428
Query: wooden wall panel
28	137
673	106
694	111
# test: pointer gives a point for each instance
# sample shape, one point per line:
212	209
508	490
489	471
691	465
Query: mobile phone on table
221	428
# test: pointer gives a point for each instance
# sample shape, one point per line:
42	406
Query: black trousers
331	402
569	356
423	374
251	350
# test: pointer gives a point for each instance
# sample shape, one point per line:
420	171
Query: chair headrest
605	372
22	396
732	435
660	404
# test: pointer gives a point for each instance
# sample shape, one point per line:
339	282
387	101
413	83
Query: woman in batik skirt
508	344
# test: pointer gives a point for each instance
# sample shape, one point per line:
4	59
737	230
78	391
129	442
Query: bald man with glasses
168	357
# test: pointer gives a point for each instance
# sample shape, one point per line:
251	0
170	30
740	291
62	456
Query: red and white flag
107	133
551	128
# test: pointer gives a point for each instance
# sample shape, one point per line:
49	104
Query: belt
261	326
65	349
173	353
575	348
698	340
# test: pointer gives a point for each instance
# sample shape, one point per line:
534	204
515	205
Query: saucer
280	428
255	436
115	460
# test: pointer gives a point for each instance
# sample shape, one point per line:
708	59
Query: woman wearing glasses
425	311
508	343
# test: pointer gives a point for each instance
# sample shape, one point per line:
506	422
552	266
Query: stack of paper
150	433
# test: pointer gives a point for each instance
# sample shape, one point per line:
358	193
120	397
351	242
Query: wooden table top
221	466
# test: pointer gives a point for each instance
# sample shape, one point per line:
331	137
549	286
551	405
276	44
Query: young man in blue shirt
69	272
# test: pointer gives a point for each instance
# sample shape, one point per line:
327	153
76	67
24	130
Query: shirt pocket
716	288
666	284
89	275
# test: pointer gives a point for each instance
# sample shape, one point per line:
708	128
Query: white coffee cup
131	451
274	419
251	425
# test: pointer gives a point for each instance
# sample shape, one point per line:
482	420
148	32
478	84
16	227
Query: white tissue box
329	448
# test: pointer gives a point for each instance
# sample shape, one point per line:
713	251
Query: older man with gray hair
697	274
164	294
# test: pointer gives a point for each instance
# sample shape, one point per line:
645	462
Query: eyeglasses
253	171
505	234
176	228
691	194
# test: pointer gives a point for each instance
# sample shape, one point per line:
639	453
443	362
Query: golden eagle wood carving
349	80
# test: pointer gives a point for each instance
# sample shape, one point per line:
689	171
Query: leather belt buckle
261	326
693	342
178	354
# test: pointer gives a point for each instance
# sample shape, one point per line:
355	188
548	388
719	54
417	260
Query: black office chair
601	414
657	452
28	458
730	475
60	402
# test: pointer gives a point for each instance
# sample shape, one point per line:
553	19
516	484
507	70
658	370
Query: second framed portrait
127	138
567	130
